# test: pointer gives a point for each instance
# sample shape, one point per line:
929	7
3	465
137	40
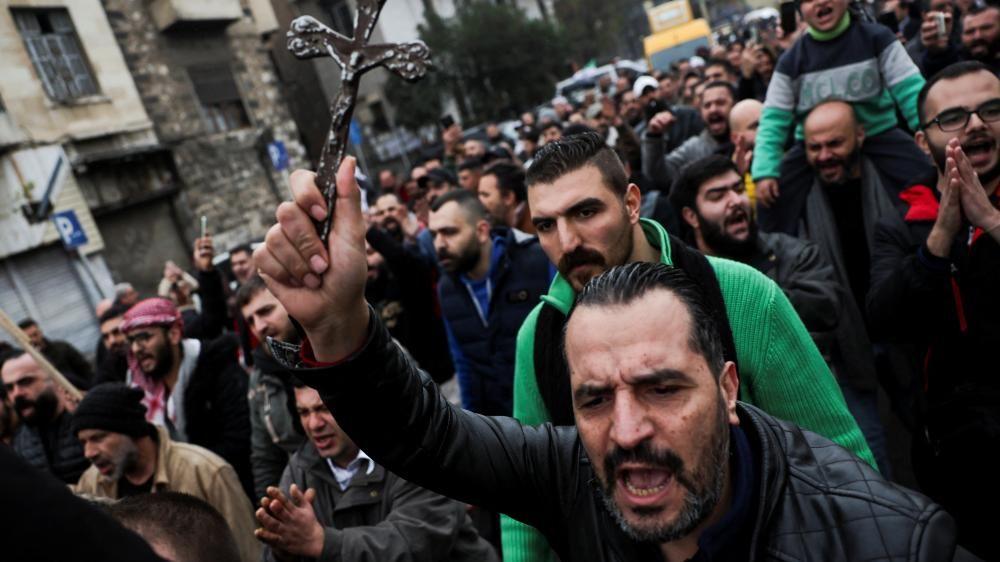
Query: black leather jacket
818	501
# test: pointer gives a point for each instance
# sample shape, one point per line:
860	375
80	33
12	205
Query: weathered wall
116	109
224	176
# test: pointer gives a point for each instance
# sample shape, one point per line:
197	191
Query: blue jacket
483	341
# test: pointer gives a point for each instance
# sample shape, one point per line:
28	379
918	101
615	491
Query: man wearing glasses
936	286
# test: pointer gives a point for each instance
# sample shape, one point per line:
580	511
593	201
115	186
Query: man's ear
175	334
729	385
921	139
689	216
633	202
508	198
483	231
860	136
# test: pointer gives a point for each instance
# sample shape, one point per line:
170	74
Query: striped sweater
858	62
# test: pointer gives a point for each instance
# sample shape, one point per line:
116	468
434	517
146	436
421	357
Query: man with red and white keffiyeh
194	388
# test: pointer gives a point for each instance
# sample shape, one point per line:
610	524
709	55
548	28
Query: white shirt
344	475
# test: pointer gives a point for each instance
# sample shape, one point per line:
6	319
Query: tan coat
193	470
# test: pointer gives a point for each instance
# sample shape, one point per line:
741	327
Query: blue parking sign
69	229
279	156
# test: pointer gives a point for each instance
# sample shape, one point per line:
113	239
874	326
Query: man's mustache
579	256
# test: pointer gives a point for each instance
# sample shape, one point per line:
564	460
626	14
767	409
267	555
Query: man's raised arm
390	409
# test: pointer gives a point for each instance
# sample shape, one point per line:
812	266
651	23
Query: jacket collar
161	477
317	466
561	294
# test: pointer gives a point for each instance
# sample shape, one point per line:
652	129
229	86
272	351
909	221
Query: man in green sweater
843	58
587	218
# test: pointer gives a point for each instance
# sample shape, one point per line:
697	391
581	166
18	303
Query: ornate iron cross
308	38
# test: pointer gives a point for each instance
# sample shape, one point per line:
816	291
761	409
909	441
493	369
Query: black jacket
806	277
484	354
948	306
216	409
405	296
817	501
380	516
948	309
70	362
58	452
42	521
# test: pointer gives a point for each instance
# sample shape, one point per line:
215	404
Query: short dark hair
467	200
572	153
27	323
549	124
117	309
192	527
471	163
248	291
241	248
685	190
949	72
624	284
510	178
723	84
9	354
725	64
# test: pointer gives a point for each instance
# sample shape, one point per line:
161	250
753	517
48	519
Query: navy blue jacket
483	353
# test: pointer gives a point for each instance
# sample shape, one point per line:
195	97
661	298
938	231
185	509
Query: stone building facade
208	85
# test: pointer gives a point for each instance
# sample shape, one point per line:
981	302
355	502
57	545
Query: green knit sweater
781	371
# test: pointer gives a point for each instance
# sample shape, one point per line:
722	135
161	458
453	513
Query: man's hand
661	122
204	251
748	60
949	217
742	156
321	287
289	524
975	203
934	41
767	191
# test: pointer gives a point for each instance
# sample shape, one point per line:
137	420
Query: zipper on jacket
956	292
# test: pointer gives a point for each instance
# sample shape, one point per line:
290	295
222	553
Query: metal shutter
57	298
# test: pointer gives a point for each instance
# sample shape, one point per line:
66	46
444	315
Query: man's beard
125	460
940	158
725	245
395	230
988	57
464	261
848	164
704	487
164	363
44	408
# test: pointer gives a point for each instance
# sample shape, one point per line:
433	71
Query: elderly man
194	388
344	506
129	457
664	461
44	438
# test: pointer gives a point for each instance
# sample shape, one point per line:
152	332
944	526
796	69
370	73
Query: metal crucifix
308	38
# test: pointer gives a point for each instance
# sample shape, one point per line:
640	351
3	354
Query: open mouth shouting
981	151
738	222
643	485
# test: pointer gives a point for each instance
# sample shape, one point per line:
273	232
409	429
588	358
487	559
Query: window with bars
219	97
56	53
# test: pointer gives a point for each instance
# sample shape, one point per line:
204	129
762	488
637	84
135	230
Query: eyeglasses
956	119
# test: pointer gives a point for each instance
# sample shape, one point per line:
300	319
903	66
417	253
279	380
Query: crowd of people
671	320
